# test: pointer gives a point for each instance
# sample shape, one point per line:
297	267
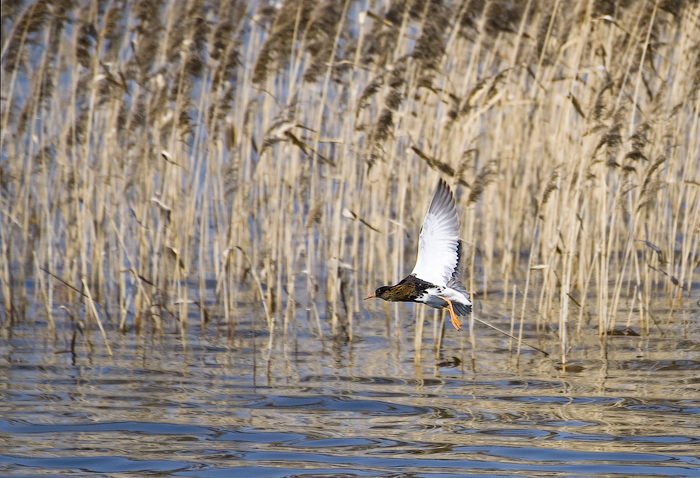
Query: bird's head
381	293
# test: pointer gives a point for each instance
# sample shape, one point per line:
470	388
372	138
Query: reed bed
166	161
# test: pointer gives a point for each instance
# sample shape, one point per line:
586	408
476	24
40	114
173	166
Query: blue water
220	408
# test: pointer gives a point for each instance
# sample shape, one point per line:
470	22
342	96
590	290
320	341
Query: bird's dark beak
369	297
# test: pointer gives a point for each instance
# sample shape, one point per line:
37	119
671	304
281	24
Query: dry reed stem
93	311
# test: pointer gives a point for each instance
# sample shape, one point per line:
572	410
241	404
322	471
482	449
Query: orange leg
457	324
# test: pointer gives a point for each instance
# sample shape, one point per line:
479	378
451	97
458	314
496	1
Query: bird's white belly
433	297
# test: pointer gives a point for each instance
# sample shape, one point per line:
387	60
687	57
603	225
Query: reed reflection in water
365	408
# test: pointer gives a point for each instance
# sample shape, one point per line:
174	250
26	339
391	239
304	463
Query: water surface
324	407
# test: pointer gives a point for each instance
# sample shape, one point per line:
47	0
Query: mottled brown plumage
408	290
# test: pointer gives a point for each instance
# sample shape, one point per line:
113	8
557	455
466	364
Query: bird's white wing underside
439	237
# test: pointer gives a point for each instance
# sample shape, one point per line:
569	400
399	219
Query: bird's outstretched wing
439	239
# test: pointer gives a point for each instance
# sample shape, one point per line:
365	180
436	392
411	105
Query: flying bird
433	280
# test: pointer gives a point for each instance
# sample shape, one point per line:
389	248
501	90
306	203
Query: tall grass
169	161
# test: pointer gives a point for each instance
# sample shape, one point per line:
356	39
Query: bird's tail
460	308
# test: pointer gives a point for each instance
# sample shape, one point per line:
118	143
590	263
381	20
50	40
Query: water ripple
218	412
